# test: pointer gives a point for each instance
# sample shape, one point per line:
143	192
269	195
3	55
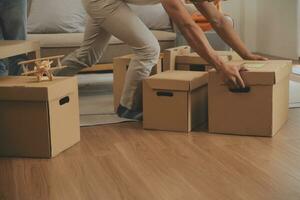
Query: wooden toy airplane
42	67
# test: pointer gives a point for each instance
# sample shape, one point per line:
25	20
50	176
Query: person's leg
115	17
14	17
126	26
91	50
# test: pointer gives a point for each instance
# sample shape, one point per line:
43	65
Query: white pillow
154	16
56	16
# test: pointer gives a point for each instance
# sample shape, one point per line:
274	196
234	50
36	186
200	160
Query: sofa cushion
153	16
75	39
56	16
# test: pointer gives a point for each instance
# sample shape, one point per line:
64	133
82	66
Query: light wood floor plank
123	161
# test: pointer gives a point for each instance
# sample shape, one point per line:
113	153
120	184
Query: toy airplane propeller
42	67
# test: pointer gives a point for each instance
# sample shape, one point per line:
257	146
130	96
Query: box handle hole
64	100
240	90
164	94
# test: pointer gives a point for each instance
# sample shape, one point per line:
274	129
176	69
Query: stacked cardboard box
38	119
181	58
175	100
260	109
179	108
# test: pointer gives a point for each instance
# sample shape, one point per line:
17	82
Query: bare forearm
198	41
192	33
227	33
222	26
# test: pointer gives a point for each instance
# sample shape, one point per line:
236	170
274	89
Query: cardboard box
175	100
120	66
181	58
261	109
38	119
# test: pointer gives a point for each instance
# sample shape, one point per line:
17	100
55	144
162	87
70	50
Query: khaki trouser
114	17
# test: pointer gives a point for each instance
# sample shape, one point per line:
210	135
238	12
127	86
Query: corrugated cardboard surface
244	114
261	111
180	58
164	112
269	72
27	88
280	104
169	61
199	107
178	80
194	58
38	126
24	129
64	121
175	100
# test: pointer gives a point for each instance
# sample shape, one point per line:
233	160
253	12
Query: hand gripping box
260	109
38	119
175	100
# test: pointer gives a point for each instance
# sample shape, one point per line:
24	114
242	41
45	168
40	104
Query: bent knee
148	52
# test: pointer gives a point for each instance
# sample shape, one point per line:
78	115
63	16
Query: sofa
55	43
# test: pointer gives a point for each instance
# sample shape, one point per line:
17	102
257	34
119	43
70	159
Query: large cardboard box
175	100
120	66
38	119
261	109
182	58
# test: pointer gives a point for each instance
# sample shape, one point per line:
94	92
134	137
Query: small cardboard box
38	119
181	58
175	100
120	67
260	109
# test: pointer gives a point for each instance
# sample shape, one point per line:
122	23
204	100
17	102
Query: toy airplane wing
56	68
41	59
29	73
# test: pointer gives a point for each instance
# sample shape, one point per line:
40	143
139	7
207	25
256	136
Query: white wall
233	8
249	23
277	28
298	28
244	14
267	26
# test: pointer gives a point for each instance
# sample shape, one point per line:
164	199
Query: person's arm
224	29
198	41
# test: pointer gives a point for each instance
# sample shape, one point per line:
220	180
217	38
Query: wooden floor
125	162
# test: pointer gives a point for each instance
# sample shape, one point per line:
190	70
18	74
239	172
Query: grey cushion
153	16
56	16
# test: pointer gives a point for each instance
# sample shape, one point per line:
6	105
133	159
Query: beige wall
244	15
233	8
277	27
267	26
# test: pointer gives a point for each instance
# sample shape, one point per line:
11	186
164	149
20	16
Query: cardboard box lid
178	80
260	72
27	88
